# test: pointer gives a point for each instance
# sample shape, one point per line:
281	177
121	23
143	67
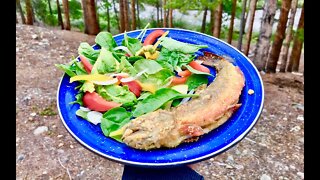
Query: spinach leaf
67	69
116	56
83	114
79	97
72	68
150	66
194	71
114	119
105	39
105	63
133	59
172	59
196	80
79	68
144	95
88	51
116	93
126	67
133	44
174	45
159	79
87	86
155	101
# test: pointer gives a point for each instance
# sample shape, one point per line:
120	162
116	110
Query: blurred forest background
270	32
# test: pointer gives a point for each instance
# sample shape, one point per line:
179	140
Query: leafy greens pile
123	75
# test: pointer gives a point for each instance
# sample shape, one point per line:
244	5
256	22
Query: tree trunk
217	20
122	22
279	36
23	19
170	17
297	45
116	13
164	14
33	15
233	13
286	44
161	9
59	15
50	9
138	17
133	15
29	12
253	4
125	13
211	19
90	17
158	19
204	19
128	15
108	19
246	14
242	23
66	14
263	45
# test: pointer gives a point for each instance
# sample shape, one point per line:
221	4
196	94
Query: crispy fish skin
213	107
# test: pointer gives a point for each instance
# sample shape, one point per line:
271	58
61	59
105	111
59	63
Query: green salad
117	83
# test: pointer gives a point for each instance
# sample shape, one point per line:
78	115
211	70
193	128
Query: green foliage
78	24
41	10
75	10
260	4
300	34
300	3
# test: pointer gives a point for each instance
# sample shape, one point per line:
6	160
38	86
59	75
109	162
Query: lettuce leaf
195	80
174	45
105	63
106	40
172	59
72	68
159	79
133	44
116	93
113	120
79	97
126	67
83	114
194	71
67	69
155	101
86	50
87	86
150	66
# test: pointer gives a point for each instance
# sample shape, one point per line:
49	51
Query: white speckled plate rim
180	162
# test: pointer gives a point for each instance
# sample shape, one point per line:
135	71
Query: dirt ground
274	149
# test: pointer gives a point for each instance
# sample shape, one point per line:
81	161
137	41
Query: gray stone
301	140
20	157
34	36
40	130
298	106
300	118
230	159
61	151
265	177
300	174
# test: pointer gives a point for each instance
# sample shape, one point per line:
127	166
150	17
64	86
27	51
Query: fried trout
185	123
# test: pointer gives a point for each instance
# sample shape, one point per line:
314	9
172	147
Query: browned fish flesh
185	123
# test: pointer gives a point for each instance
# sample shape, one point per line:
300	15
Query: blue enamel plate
208	145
